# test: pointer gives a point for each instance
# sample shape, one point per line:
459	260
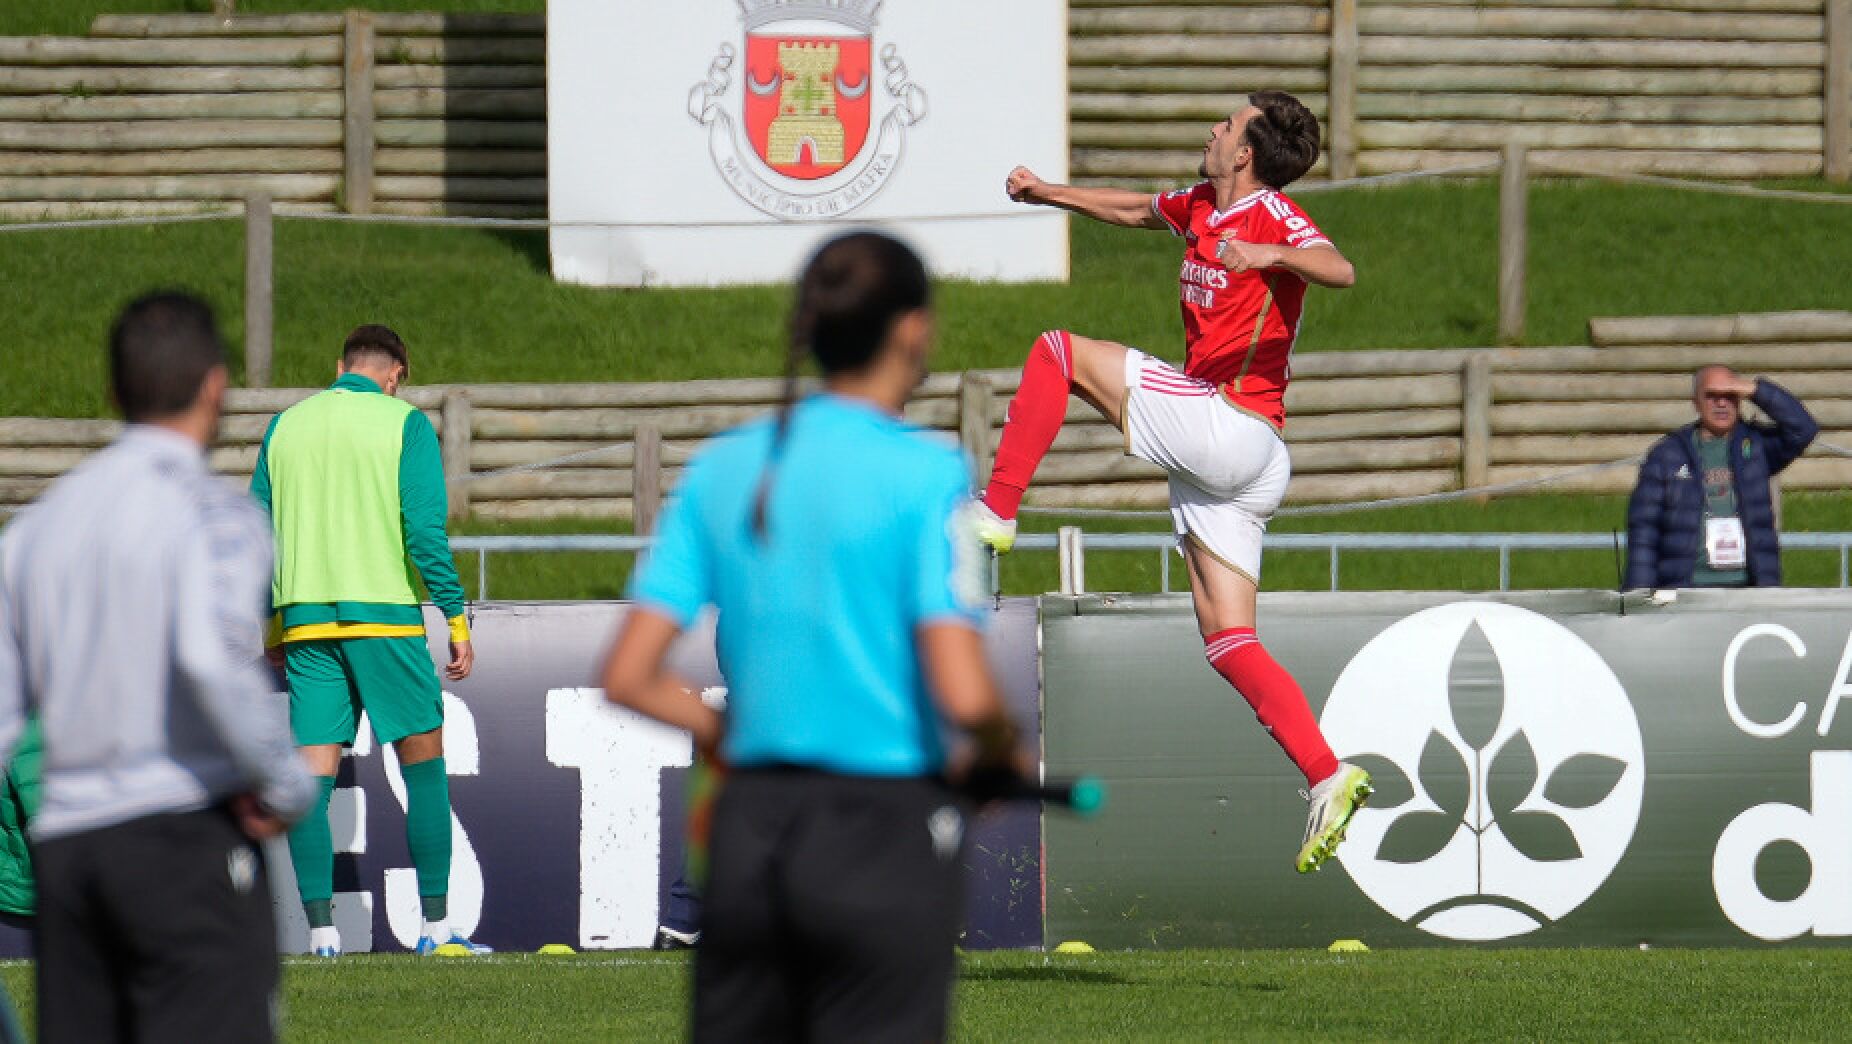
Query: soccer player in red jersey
1215	425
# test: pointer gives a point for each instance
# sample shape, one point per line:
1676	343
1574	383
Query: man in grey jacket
132	602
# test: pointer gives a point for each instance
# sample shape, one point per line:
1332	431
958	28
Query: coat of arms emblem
816	136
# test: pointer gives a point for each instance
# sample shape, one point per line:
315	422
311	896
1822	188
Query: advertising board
1559	769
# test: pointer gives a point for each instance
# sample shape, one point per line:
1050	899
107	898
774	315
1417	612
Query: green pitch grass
1291	995
481	306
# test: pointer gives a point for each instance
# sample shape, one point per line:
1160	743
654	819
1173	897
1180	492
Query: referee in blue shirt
832	541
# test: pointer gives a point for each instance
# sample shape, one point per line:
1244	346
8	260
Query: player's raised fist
1023	186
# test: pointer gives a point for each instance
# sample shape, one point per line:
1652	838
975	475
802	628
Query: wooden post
1513	235
259	313
1476	422
974	404
357	120
457	467
224	9
646	479
1342	96
1838	90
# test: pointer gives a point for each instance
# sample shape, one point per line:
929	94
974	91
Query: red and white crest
807	101
822	110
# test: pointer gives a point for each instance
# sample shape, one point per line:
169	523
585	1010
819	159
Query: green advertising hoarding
1562	769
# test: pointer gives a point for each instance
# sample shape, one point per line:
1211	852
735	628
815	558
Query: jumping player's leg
1060	364
1225	613
1226	600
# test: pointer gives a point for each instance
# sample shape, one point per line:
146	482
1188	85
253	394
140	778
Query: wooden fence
388	113
1361	425
1719	88
425	113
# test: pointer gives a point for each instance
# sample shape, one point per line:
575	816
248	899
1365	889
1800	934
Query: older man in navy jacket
1702	514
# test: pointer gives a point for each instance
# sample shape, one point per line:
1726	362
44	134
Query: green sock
320	912
427	827
311	852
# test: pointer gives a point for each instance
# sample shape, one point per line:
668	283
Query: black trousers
158	929
832	908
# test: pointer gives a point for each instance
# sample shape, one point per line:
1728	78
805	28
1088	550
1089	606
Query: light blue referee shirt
817	627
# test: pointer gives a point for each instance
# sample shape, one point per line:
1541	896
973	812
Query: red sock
1033	421
1237	655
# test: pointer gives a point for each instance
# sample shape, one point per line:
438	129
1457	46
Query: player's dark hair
374	344
1284	137
848	297
161	348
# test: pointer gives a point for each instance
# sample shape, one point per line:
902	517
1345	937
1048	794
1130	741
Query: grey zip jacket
132	603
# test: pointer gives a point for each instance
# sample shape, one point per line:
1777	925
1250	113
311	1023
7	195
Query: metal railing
1072	544
483	546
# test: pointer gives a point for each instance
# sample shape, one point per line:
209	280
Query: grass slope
481	305
1455	994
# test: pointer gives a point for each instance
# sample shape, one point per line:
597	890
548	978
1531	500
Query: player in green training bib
353	480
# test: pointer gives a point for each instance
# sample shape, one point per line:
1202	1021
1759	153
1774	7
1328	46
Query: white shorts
1228	468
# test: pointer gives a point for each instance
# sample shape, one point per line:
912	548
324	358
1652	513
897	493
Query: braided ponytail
848	297
801	322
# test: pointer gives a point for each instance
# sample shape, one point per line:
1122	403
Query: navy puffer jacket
1665	518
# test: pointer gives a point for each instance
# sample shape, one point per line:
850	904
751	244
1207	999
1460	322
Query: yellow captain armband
273	631
459	628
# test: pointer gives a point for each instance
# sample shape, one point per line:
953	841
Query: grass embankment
481	306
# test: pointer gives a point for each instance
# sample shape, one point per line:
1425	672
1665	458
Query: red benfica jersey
1239	327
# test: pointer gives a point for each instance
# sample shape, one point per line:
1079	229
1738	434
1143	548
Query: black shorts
831	911
158	929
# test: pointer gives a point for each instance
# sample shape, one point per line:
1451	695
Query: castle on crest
805	110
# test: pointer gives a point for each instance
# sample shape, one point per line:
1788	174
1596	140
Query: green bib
334	479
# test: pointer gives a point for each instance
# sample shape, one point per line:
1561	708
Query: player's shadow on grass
1046	973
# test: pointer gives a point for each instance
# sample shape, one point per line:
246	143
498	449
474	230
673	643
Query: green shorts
331	681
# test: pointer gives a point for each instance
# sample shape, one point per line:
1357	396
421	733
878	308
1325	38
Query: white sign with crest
706	142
